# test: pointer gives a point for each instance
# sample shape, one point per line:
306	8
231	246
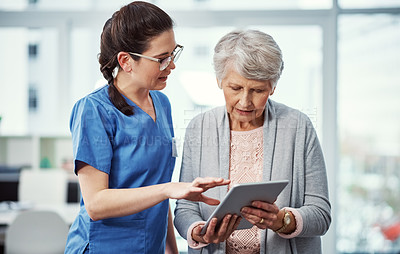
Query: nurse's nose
171	65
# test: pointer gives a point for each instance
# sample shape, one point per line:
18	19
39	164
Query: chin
160	86
242	119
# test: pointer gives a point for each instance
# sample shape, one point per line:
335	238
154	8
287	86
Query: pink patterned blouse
246	165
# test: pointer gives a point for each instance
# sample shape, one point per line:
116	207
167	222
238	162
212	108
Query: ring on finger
261	221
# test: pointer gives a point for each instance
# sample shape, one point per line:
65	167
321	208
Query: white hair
253	54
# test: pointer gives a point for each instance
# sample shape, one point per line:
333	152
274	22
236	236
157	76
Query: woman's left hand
262	214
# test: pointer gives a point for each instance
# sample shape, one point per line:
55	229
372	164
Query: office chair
36	232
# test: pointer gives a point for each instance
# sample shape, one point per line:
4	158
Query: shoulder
206	128
96	102
96	97
284	113
210	117
280	109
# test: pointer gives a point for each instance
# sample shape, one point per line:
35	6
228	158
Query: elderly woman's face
245	100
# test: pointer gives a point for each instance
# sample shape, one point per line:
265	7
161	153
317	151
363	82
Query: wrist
286	222
196	238
166	190
279	221
198	243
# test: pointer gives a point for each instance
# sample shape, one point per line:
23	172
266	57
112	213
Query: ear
272	92
123	60
219	84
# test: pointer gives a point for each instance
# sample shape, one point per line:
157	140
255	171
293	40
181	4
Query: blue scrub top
134	151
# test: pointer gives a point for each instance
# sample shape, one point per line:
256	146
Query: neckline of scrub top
131	103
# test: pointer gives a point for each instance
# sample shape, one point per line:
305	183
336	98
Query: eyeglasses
164	62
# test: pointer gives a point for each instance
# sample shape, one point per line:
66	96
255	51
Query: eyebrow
162	54
256	87
233	84
166	53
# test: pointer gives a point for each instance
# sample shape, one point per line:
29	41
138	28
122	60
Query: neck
246	126
140	96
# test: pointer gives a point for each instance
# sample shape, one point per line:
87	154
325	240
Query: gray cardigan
291	151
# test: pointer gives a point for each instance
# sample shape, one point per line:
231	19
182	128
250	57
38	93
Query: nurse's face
245	100
146	73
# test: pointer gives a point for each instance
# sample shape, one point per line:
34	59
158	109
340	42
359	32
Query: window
13	80
33	50
369	3
33	2
33	99
245	5
369	106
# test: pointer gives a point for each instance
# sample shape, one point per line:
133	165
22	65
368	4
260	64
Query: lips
163	79
243	112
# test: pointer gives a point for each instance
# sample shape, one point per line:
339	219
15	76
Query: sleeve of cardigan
316	210
188	212
299	224
192	243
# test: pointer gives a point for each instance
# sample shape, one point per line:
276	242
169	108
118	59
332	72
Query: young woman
123	141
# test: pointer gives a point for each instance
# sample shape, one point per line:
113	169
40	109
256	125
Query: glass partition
369	127
369	3
106	5
193	81
13	80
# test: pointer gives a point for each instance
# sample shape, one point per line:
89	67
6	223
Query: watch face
286	219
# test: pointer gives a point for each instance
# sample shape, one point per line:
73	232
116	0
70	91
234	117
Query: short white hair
253	54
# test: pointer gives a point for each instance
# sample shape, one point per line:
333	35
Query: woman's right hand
214	233
194	191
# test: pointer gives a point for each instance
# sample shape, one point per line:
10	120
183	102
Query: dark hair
130	29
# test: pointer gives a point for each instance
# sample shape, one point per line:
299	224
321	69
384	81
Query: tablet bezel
244	194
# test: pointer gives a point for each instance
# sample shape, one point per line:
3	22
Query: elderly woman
254	139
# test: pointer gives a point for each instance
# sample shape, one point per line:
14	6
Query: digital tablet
244	194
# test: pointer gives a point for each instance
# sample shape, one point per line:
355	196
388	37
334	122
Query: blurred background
342	68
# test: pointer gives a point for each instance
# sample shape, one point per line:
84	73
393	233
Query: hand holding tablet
243	195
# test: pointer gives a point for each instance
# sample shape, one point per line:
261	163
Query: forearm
102	202
186	213
316	208
316	220
109	203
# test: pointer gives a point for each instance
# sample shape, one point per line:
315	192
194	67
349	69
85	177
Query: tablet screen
244	194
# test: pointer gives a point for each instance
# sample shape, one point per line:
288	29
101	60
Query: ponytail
107	69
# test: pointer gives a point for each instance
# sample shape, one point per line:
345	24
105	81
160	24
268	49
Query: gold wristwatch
286	221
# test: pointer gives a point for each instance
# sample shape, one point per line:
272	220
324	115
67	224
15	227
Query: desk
9	183
67	211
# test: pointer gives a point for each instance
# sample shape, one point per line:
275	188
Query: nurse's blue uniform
135	151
